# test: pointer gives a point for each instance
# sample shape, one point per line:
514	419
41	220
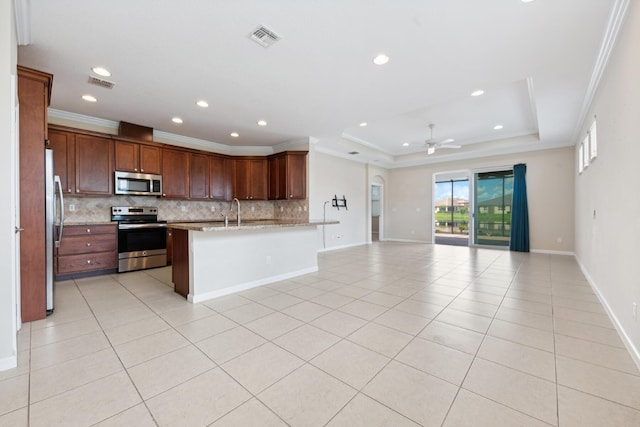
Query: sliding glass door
492	208
451	214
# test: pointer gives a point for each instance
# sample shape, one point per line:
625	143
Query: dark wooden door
198	176
33	95
127	158
242	179
63	145
94	165
219	178
296	176
150	159
175	174
258	179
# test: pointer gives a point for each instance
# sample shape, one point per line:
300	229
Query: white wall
8	60
330	176
608	243
550	188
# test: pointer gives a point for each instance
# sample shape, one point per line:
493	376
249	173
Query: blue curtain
519	211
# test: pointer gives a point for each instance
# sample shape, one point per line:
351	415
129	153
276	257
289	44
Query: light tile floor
386	334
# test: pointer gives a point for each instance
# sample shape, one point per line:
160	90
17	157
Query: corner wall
550	188
607	203
8	148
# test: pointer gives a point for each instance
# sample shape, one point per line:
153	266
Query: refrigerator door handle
59	187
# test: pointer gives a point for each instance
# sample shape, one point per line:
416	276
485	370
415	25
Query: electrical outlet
299	209
72	208
281	209
253	209
213	208
559	240
635	311
183	208
305	208
268	260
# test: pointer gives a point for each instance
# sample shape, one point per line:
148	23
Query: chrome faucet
231	206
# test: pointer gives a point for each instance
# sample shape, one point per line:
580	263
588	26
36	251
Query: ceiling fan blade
449	146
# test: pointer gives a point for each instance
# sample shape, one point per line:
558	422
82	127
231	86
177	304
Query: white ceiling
537	63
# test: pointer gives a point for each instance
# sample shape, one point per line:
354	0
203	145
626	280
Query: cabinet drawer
73	245
83	230
86	262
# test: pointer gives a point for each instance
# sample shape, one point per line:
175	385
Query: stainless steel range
142	239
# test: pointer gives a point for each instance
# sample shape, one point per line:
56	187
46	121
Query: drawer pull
88	261
88	230
88	244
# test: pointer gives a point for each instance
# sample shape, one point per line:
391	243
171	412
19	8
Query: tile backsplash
98	209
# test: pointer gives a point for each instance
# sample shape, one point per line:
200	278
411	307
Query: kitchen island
211	259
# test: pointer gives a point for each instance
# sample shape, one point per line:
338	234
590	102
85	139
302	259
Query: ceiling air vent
100	82
264	36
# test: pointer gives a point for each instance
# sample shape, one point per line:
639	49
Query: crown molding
81	118
22	10
614	26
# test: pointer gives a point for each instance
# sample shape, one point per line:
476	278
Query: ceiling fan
432	144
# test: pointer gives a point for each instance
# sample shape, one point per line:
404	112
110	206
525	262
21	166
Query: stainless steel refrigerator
54	217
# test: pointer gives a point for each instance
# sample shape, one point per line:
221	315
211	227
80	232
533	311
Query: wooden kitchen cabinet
94	165
250	181
140	158
34	93
169	246
288	175
62	143
175	174
198	176
87	248
220	181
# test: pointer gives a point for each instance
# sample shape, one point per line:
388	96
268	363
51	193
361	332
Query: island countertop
246	225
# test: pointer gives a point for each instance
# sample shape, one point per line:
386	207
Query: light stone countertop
247	225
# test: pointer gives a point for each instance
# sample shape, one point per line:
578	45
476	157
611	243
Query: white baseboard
244	286
333	248
635	353
8	363
549	252
408	241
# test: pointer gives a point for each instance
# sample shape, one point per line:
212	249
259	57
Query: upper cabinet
220	180
86	160
250	178
94	165
140	158
175	174
62	143
288	175
198	176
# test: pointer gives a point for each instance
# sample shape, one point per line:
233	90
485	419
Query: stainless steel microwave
139	184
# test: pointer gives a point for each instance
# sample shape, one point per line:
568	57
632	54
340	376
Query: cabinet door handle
135	169
19	230
88	261
88	244
141	170
88	230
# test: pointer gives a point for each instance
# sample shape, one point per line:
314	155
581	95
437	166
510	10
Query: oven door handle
134	226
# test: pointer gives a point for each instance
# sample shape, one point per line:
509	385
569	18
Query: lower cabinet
87	248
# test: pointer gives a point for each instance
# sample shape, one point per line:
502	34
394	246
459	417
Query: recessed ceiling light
262	122
527	1
101	71
380	59
477	92
405	144
363	124
89	98
497	127
234	134
177	120
202	103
